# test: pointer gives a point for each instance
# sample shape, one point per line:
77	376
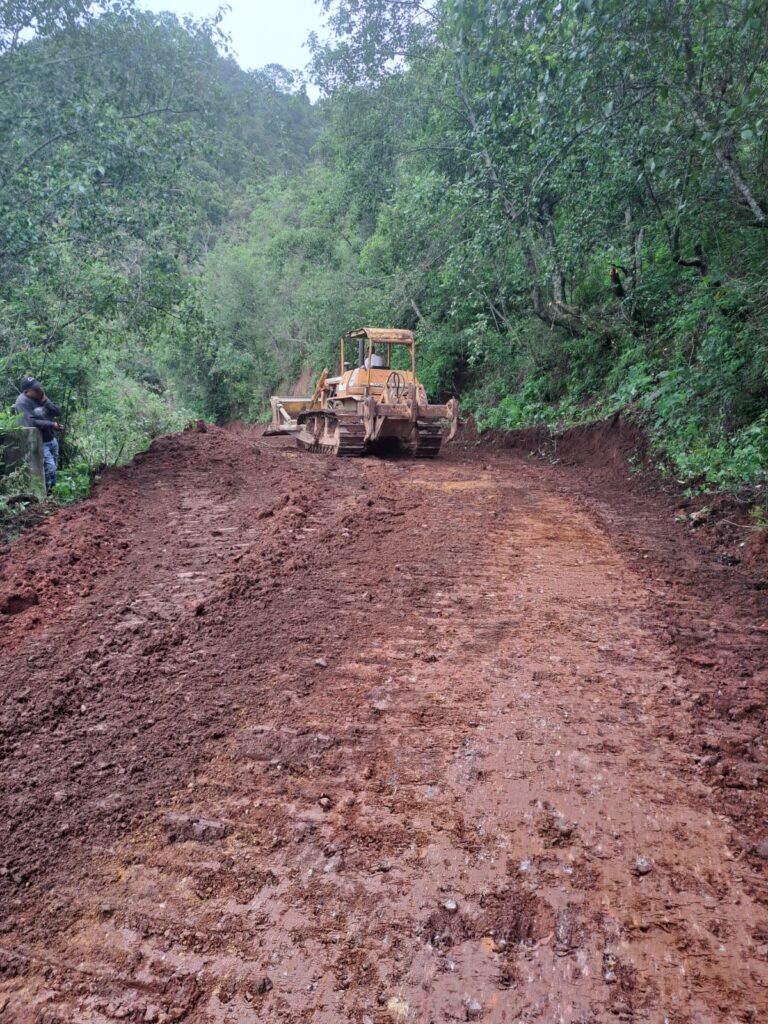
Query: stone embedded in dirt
256	987
567	931
553	825
761	848
563	827
119	1012
180	994
610	963
397	1007
474	1009
227	989
186	827
321	663
700	516
112	801
451	906
643	865
325	802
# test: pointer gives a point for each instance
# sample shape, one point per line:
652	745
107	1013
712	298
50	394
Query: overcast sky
262	31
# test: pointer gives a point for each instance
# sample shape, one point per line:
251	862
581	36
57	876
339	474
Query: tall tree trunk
555	314
729	165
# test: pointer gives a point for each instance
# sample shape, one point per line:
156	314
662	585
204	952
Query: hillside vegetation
128	143
568	202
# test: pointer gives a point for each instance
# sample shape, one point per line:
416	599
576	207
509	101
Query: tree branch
729	166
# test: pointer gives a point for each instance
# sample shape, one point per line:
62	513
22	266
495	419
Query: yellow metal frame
384	336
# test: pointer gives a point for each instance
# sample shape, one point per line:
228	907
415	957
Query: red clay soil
290	739
614	458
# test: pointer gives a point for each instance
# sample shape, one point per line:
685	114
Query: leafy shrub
72	483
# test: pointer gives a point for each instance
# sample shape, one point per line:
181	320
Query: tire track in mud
431	766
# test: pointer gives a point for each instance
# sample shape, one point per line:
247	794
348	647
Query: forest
568	202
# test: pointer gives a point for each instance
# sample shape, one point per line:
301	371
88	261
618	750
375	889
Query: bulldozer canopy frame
367	337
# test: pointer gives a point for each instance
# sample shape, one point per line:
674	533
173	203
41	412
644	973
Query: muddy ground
290	739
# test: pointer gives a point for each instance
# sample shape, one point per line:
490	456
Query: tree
126	139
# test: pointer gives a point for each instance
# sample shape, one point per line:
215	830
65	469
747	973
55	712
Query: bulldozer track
351	437
352	440
428	441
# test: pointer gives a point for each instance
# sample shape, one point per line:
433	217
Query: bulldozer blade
276	431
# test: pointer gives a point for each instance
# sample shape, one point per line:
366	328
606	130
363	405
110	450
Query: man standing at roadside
37	410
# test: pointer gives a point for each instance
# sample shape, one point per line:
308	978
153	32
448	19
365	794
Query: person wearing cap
37	410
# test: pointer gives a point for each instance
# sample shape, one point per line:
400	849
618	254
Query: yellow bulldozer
368	405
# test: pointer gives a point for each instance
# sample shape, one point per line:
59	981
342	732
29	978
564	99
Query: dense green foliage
524	151
568	202
125	140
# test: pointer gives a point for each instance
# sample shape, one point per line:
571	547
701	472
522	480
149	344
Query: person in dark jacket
37	410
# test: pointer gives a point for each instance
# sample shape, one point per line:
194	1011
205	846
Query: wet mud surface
290	739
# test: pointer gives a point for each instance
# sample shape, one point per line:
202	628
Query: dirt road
290	739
